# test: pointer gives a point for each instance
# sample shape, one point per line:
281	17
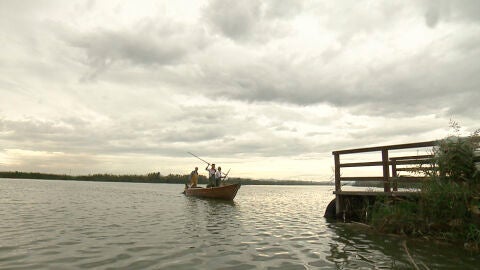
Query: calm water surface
83	225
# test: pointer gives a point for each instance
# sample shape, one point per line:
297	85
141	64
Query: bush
448	205
454	160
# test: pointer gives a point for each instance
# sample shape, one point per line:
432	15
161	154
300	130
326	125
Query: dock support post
338	187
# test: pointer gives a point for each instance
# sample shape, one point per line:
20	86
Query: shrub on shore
448	206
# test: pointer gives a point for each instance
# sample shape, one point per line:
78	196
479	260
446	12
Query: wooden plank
381	179
361	164
388	147
376	193
411	162
362	178
395	147
380	163
412	157
413	169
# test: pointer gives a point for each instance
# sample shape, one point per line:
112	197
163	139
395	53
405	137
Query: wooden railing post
338	186
386	170
339	207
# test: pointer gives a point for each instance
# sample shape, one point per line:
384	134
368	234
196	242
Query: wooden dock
389	164
392	162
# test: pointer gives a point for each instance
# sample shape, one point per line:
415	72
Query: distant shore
155	177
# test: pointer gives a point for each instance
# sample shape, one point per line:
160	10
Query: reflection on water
62	224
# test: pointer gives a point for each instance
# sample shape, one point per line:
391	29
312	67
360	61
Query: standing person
211	175
194	178
218	176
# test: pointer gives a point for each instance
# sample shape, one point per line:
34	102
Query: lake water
91	225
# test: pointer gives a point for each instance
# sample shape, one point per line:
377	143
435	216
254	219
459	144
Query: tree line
154	177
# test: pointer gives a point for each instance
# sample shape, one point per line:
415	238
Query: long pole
199	158
226	174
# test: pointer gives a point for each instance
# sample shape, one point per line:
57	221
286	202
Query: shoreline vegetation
155	177
448	205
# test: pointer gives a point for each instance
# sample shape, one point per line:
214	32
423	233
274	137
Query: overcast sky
266	88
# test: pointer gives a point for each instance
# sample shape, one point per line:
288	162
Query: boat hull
221	193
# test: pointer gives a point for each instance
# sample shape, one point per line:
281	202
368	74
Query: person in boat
193	178
218	176
211	175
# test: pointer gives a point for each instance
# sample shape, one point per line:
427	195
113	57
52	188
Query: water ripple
87	225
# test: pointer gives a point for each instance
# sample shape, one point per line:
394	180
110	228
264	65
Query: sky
267	88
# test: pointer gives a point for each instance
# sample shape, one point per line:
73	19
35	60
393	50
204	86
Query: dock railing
391	166
415	166
386	163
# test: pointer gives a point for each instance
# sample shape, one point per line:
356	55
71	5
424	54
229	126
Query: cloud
465	104
235	134
283	9
149	43
173	55
234	19
59	162
251	20
451	11
383	83
432	16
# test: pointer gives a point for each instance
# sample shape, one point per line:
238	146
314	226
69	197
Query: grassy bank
448	207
